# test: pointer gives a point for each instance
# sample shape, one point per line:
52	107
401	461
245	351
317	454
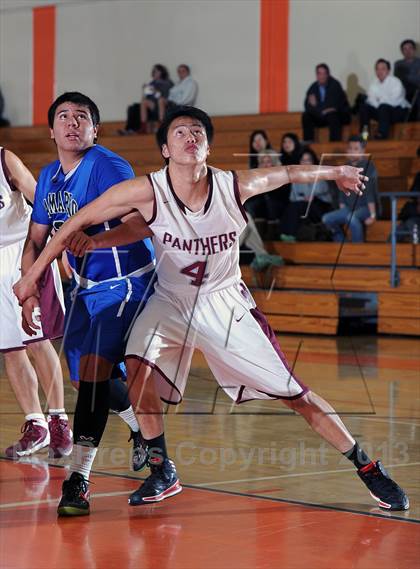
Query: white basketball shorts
234	336
12	336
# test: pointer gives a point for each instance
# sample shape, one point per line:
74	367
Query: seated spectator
326	104
251	240
258	142
309	200
275	201
409	216
183	93
140	117
355	211
385	102
290	149
408	72
3	121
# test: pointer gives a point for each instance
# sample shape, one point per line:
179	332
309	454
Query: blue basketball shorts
99	319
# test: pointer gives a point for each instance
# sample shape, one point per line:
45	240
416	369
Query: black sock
118	395
357	456
91	413
157	449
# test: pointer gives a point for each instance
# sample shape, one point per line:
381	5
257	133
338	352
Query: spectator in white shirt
385	102
183	93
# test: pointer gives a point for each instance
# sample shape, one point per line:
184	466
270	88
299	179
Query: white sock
38	417
60	412
82	459
130	418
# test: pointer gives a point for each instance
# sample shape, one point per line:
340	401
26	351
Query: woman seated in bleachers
258	142
142	118
308	202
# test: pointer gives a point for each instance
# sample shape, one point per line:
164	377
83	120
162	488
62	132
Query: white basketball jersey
15	213
197	251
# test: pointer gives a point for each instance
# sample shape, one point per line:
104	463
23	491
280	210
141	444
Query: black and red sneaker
382	488
75	498
162	483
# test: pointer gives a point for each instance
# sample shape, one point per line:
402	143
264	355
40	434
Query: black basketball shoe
162	483
382	488
140	454
75	498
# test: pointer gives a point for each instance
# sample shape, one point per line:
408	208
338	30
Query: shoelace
28	429
57	428
73	488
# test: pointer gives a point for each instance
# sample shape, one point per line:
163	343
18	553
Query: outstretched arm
116	202
133	229
260	180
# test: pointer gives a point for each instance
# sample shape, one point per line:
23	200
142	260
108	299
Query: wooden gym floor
260	489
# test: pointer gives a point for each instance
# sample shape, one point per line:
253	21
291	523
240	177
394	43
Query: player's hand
31	316
370	220
78	243
351	179
24	289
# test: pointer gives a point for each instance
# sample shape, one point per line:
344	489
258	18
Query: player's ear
95	132
51	133
165	151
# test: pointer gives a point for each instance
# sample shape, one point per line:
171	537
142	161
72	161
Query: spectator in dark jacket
355	211
326	104
408	72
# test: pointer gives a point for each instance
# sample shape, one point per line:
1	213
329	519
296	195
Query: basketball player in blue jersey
195	214
109	286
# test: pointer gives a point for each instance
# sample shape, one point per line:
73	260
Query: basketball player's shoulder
222	175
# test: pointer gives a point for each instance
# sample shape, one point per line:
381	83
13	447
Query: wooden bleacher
303	296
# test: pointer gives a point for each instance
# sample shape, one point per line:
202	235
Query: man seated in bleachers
183	93
408	72
326	104
385	102
355	212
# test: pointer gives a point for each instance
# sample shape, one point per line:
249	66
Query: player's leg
24	382
90	418
158	357
120	404
324	420
256	368
50	375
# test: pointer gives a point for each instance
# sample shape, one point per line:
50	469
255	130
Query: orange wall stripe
274	48
43	19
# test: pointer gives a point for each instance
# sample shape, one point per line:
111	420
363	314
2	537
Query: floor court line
297	474
379	514
55	500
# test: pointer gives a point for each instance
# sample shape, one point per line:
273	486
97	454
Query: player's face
73	128
187	142
381	71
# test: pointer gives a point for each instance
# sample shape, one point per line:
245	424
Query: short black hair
357	138
323	65
78	99
382	60
183	111
411	42
187	67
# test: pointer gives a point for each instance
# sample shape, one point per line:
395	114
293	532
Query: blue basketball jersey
58	196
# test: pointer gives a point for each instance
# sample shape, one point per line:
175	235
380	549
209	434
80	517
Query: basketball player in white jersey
195	214
16	184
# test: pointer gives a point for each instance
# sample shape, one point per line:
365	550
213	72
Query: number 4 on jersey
197	271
